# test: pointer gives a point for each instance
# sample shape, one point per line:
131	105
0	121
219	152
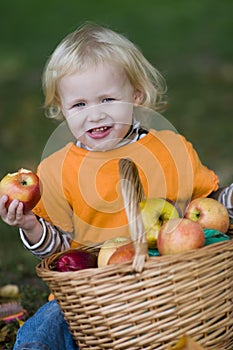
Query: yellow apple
155	212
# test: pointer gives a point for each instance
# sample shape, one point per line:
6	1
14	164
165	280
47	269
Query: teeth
103	128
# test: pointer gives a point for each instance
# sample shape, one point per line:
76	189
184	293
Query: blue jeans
45	330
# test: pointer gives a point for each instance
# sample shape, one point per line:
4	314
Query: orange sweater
82	193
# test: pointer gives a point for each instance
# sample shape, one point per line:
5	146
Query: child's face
98	105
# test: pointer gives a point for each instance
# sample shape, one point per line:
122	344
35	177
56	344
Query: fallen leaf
186	343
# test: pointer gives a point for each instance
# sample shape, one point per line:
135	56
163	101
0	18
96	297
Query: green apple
155	212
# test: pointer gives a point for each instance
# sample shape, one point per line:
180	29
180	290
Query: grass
17	266
188	41
32	296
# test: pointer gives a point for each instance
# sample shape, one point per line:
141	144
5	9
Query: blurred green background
189	41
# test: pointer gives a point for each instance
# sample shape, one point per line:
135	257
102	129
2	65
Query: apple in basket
155	212
209	213
180	235
122	254
111	246
74	260
23	185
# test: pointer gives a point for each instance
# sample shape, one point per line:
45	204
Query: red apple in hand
180	235
24	186
209	213
75	260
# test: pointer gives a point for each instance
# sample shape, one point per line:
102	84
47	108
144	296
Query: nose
95	115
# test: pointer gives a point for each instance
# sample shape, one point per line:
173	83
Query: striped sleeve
53	240
226	198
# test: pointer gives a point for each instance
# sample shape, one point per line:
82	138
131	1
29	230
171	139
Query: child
99	81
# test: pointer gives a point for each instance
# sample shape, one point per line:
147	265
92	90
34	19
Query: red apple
122	254
155	212
75	260
180	235
209	213
109	247
23	185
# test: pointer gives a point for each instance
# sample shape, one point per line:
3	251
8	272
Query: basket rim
44	267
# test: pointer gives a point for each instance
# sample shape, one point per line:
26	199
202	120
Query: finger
3	209
11	214
3	200
19	212
13	206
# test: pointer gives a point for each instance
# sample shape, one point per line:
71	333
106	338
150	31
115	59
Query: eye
79	105
108	99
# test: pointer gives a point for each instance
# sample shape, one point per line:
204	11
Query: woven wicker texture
150	304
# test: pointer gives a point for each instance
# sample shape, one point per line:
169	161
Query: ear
138	96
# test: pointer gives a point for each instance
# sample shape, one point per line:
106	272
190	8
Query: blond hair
90	45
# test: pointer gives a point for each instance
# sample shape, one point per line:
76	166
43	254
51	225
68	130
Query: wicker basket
153	302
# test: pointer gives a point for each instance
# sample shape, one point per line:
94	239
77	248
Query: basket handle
133	193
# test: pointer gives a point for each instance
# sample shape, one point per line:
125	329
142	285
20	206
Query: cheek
75	126
64	112
124	113
122	130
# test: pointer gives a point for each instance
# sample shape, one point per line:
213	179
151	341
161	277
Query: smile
99	132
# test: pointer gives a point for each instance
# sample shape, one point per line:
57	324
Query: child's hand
14	215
